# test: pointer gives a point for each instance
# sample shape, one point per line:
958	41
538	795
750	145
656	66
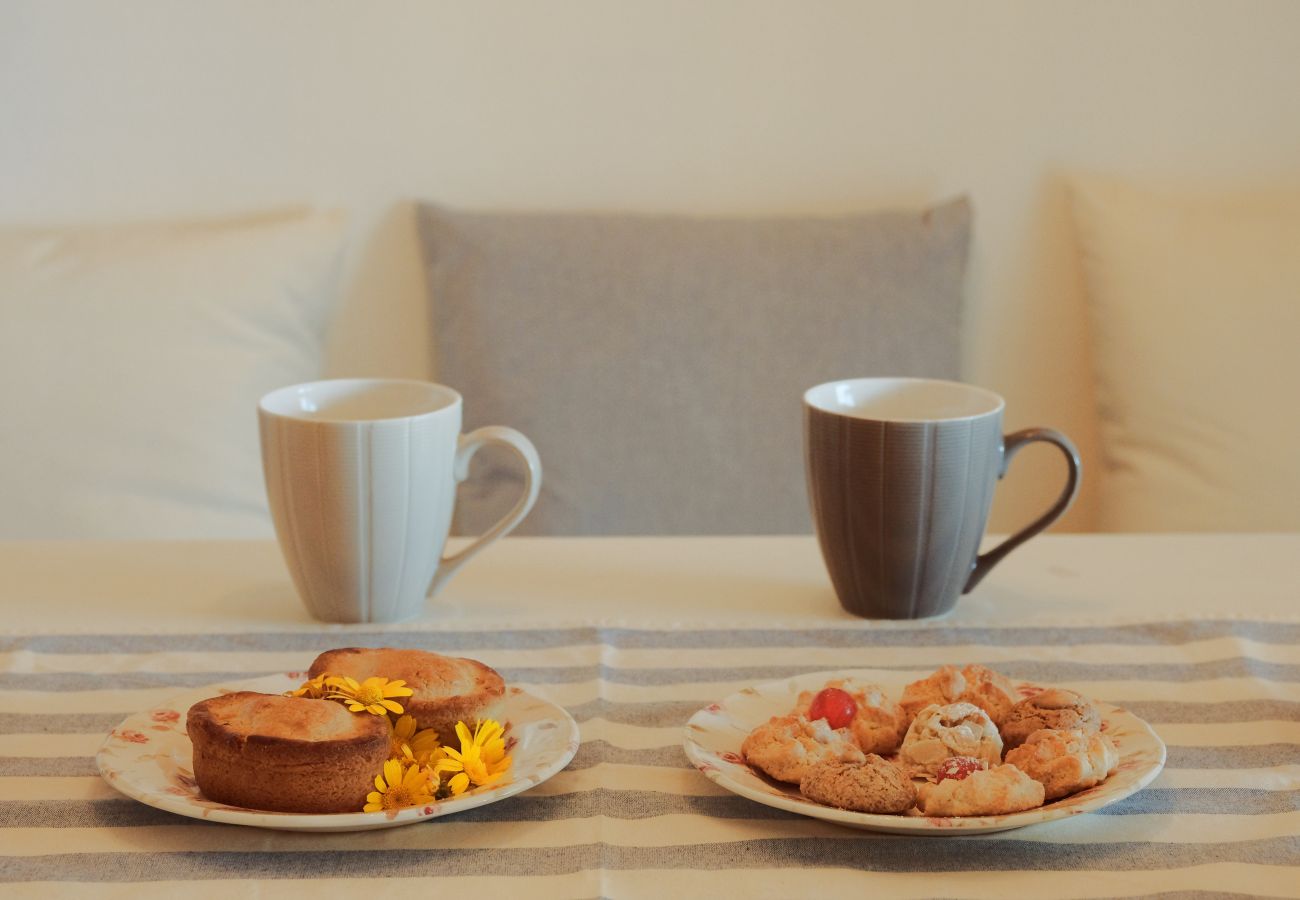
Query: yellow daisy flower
420	745
480	760
399	786
374	695
313	689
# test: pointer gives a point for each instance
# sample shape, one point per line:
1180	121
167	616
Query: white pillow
1195	310
132	360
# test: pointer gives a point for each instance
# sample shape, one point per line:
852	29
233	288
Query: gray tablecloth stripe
851	634
1048	671
630	804
875	853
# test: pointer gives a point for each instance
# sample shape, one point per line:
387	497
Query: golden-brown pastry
875	786
446	689
985	792
955	729
285	754
976	684
786	747
1053	708
941	687
1065	761
878	725
991	691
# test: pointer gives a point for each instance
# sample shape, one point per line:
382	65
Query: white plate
148	757
714	734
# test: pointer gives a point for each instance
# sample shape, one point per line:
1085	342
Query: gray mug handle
1013	442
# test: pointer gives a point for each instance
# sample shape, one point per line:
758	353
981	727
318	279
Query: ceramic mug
361	475
901	473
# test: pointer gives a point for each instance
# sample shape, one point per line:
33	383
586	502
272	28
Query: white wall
142	108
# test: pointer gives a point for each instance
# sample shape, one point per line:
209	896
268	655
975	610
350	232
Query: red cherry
837	707
958	768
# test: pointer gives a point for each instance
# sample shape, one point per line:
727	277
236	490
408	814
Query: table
1199	635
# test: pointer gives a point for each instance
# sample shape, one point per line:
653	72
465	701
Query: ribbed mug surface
900	506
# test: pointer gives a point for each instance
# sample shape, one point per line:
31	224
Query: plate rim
702	759
287	821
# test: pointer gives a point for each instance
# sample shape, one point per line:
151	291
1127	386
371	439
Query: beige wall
132	109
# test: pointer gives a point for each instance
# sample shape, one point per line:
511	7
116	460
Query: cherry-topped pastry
834	705
958	767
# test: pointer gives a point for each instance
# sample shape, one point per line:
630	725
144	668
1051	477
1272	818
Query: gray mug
901	473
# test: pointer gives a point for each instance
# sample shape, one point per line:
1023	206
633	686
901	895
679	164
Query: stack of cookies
960	742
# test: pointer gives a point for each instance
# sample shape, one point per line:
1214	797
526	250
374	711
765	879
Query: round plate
714	734
148	757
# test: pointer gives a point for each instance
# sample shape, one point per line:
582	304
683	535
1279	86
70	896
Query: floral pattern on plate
714	734
148	757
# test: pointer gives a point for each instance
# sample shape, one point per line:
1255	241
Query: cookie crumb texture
875	786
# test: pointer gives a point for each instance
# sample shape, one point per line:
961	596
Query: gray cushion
659	363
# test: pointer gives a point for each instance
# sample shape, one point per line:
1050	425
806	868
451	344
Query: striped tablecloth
629	817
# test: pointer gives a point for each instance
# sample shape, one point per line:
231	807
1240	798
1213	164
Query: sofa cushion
1195	311
658	363
133	357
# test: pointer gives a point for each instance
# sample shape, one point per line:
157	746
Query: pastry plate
714	734
148	757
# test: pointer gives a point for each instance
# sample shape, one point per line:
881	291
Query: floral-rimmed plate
714	734
149	758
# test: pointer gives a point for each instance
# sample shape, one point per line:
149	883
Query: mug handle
467	445
1013	442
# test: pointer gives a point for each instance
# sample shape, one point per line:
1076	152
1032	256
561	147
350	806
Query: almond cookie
984	792
878	725
989	690
1065	761
956	729
786	747
1053	708
876	786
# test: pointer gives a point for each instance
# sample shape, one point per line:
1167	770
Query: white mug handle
467	445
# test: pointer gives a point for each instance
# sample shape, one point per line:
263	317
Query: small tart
985	792
446	689
956	729
786	747
1065	761
878	726
285	754
875	786
1055	708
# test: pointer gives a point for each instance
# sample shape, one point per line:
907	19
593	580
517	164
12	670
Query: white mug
361	475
